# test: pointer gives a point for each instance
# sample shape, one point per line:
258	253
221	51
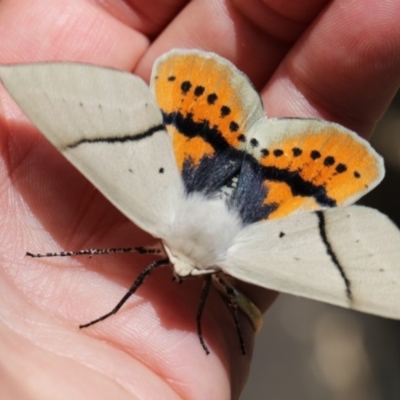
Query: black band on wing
188	127
210	174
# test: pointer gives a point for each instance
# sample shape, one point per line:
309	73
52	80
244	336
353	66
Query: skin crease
337	60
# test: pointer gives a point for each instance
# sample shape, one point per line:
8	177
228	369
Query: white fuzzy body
200	235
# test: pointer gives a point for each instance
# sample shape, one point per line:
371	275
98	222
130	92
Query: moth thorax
201	234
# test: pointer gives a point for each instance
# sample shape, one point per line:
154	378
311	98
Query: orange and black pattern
210	109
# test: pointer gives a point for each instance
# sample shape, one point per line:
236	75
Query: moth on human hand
194	161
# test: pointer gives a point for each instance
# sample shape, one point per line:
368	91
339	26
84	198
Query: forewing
107	123
346	256
208	107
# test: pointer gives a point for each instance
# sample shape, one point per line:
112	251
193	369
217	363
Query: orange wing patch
281	196
184	148
208	104
323	167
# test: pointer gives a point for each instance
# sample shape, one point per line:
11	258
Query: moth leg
138	282
139	249
229	293
203	297
237	300
246	306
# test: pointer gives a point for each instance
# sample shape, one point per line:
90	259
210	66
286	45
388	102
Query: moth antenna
140	249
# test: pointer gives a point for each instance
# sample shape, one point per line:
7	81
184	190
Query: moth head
183	265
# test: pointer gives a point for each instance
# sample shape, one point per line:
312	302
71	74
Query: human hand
339	63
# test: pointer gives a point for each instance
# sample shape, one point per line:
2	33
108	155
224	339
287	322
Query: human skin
337	60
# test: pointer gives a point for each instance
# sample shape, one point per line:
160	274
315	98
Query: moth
194	161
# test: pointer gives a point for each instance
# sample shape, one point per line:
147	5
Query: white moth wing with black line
313	254
107	124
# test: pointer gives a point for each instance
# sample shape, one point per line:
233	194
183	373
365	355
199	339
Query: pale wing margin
107	123
292	256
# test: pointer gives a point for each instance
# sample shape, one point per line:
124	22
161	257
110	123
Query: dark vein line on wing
117	139
331	253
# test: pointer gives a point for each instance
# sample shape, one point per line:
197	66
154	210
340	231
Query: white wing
346	256
107	123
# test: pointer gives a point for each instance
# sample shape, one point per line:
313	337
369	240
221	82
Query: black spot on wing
315	154
340	168
185	86
329	161
212	98
199	90
233	126
225	110
297	152
254	142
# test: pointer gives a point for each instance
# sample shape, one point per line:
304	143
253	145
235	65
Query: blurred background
309	350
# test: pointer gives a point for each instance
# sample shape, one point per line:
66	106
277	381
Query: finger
345	68
224	27
67	30
148	17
